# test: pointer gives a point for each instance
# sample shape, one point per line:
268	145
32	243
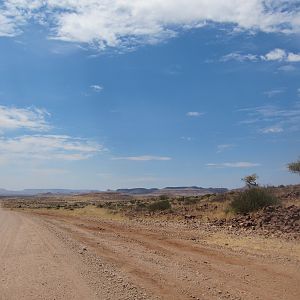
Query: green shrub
190	201
252	199
159	205
163	197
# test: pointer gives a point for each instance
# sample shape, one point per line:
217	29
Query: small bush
181	199
159	205
190	201
252	199
140	206
163	197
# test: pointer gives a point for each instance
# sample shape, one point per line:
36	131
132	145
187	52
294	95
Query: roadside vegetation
252	199
205	208
159	205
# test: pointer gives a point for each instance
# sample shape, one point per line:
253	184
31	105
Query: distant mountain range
34	192
178	190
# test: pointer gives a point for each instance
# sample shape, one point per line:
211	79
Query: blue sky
102	94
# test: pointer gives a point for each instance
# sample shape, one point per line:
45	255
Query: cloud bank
124	23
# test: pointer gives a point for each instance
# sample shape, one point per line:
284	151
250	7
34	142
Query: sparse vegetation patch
252	200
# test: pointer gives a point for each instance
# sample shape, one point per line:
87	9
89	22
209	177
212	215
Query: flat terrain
53	255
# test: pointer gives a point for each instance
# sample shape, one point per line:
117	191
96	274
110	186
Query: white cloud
143	158
47	147
242	164
23	118
96	87
7	27
292	57
282	55
276	54
194	114
124	23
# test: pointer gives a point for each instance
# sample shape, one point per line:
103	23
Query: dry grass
256	244
88	211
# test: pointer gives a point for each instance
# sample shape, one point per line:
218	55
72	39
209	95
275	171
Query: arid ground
89	253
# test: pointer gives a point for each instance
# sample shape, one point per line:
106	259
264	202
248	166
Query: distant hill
176	191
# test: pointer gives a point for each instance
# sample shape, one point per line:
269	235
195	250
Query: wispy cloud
39	146
143	158
241	164
47	147
272	129
23	118
127	23
187	138
273	119
49	171
239	57
287	68
96	88
276	54
224	147
195	114
273	93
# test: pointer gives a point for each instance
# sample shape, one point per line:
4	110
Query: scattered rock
271	219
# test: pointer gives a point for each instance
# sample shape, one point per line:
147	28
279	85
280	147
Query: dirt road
36	265
50	256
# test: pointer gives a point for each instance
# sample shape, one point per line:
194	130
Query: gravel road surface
44	256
